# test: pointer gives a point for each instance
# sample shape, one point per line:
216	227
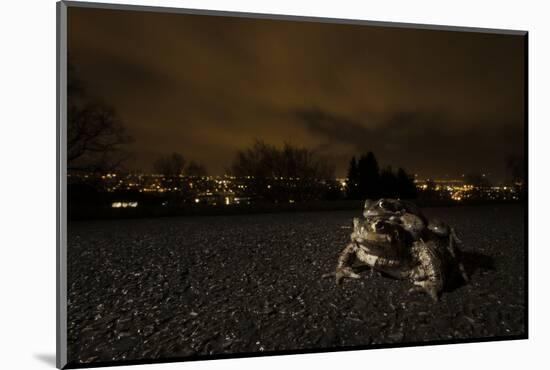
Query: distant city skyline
437	103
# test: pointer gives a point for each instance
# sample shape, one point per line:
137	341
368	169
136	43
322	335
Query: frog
396	239
377	243
411	218
387	207
405	213
447	235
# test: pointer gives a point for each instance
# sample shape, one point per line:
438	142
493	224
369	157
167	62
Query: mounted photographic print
235	185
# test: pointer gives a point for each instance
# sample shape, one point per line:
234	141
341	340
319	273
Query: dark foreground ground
177	287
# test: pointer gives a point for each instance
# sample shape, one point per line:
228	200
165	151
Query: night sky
434	102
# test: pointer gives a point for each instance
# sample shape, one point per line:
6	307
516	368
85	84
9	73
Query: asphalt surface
178	287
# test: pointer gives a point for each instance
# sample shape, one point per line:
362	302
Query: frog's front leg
426	286
343	268
427	275
345	260
453	240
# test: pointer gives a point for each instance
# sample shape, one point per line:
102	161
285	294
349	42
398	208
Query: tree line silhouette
365	180
288	173
280	174
175	165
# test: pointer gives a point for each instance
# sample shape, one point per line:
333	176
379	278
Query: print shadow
473	262
46	358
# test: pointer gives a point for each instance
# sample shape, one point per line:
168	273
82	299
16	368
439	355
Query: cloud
206	86
425	142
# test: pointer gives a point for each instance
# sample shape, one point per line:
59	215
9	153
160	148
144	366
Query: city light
124	204
232	190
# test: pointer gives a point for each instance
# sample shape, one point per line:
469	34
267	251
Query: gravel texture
176	287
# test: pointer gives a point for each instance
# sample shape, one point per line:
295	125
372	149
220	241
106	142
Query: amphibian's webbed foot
342	273
463	272
425	287
345	272
432	292
343	268
453	240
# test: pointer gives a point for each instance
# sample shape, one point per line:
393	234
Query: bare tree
170	165
267	161
195	169
283	173
95	138
95	135
515	166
